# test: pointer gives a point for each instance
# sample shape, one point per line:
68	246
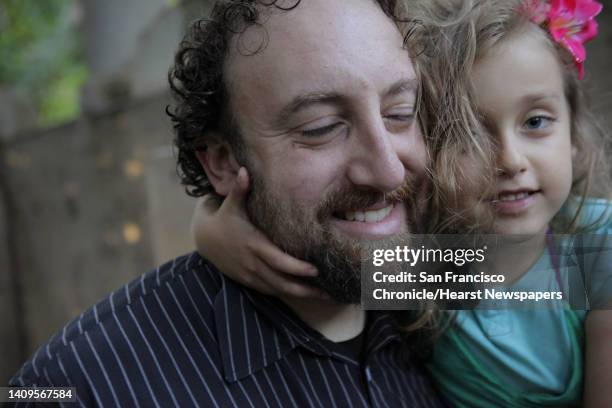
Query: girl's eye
321	131
538	122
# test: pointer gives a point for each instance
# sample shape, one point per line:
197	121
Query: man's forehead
312	45
312	25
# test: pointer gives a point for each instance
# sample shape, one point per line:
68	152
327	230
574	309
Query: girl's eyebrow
541	97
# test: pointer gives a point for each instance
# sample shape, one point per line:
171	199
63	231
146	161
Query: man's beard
306	233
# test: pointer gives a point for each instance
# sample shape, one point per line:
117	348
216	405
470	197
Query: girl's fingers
237	196
302	290
204	210
259	285
287	286
281	261
242	180
210	203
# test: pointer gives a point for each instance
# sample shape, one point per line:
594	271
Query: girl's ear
219	163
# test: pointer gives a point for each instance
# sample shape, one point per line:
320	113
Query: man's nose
375	161
511	157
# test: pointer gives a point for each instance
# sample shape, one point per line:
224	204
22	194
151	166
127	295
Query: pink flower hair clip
571	23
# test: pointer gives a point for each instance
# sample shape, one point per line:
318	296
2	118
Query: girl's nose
511	158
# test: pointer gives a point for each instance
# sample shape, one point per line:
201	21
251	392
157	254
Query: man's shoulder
139	309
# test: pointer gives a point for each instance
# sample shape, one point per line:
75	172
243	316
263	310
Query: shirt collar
255	331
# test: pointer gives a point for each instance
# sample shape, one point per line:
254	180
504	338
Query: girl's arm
224	235
598	359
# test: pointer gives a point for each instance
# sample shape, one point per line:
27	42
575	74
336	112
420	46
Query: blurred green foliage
40	58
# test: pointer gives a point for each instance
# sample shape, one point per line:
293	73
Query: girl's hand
224	235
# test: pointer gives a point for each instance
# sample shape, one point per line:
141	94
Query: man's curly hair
199	88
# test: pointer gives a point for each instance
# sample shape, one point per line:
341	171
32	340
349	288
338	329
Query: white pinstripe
212	336
329	391
358	391
331	363
129	343
190	357
91	384
120	364
108	381
282	377
309	379
153	356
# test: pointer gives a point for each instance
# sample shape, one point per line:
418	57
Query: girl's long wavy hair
447	121
447	116
453	36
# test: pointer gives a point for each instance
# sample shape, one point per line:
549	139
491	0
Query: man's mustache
353	198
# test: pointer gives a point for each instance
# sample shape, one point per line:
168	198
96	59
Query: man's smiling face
326	115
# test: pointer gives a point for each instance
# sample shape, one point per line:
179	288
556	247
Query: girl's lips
512	203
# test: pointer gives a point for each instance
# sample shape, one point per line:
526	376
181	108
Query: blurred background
89	196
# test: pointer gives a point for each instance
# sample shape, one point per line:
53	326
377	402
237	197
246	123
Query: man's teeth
513	197
368	216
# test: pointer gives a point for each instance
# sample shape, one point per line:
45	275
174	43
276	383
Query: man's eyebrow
305	100
401	86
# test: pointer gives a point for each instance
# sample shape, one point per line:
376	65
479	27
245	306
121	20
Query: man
316	99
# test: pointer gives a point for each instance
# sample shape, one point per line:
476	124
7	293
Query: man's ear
219	163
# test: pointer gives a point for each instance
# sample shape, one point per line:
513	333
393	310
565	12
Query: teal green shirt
524	358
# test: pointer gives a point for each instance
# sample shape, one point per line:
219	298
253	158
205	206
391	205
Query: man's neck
337	322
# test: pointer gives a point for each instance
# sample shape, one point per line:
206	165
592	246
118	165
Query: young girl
522	62
527	61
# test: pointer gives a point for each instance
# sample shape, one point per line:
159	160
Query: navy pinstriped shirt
184	335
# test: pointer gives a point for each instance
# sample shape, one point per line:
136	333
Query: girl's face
520	94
